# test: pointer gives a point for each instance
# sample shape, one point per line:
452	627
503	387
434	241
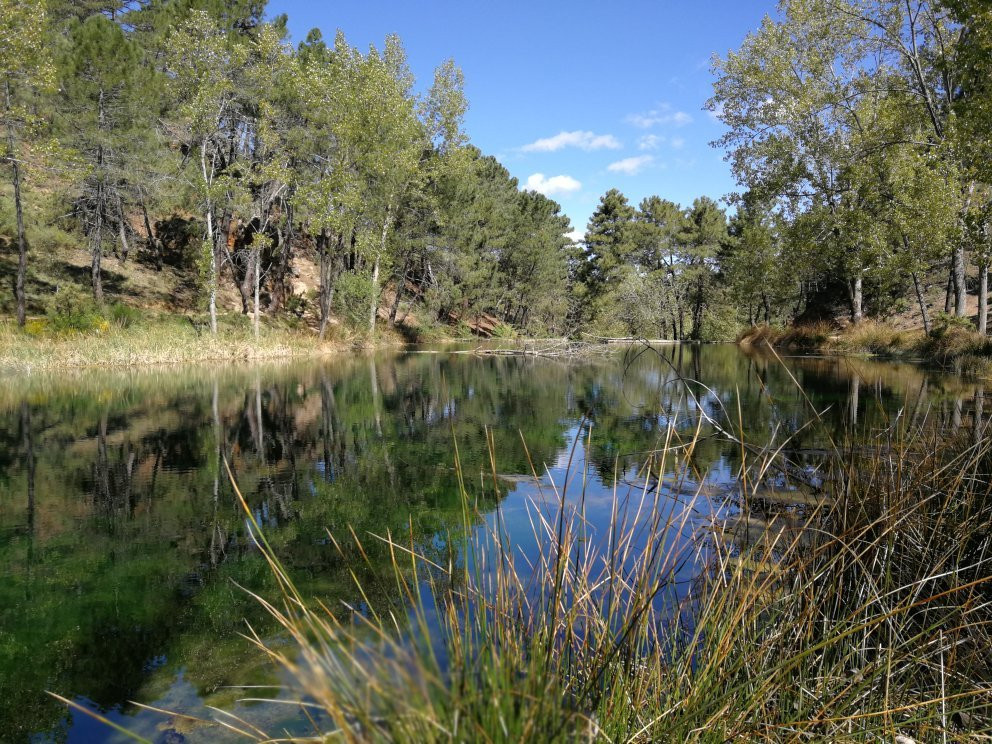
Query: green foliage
944	324
651	272
352	295
842	130
123	316
504	331
70	311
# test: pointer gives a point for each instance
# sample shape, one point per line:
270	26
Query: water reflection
121	539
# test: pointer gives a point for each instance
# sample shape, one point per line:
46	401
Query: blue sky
574	98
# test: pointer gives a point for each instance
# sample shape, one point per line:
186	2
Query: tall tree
204	63
814	97
609	244
660	226
102	84
704	234
26	69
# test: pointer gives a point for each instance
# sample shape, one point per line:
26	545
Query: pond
125	554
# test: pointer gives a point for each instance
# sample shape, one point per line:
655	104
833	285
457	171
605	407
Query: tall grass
124	340
951	340
859	610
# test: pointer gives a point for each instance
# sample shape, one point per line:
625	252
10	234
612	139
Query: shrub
123	316
296	304
70	310
504	331
352	298
951	338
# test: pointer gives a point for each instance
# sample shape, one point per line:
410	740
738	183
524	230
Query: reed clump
860	613
858	610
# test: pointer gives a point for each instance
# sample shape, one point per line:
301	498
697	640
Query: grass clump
119	336
951	341
807	337
872	337
862	615
953	338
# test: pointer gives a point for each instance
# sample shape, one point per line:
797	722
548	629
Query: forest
320	182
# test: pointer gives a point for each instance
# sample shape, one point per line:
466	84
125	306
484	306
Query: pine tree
107	119
609	243
26	71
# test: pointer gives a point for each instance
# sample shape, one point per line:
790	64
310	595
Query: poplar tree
204	63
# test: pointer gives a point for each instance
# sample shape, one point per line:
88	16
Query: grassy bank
152	339
950	341
860	612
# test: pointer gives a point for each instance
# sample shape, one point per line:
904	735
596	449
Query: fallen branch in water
544	348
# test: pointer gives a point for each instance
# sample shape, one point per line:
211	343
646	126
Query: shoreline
947	346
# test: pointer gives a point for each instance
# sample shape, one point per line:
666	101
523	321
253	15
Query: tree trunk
151	242
125	247
212	279
855	288
374	302
327	262
400	286
257	270
924	313
767	308
949	294
211	240
96	246
22	244
96	241
395	309
960	289
278	282
983	298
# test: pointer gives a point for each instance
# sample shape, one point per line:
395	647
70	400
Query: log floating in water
543	348
629	340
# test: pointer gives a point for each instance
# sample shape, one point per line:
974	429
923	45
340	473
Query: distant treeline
860	132
190	133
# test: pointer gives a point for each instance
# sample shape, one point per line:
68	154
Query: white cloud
582	140
664	114
677	143
576	236
650	142
554	185
630	166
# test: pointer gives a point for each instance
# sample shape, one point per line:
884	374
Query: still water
123	550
